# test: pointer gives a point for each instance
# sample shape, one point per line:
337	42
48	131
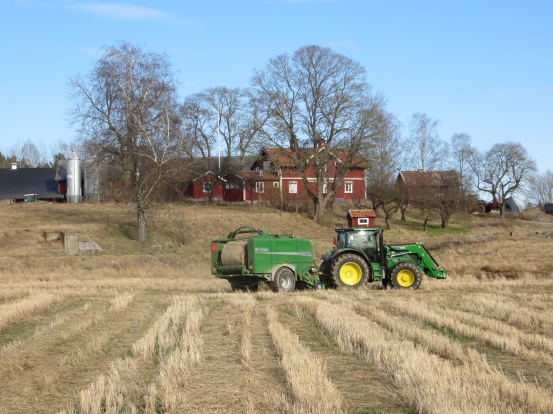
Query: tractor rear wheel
406	276
284	280
349	271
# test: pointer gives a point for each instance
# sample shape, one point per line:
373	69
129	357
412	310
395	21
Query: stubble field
147	329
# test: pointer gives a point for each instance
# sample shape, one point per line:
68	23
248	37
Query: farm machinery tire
284	280
405	276
237	287
349	271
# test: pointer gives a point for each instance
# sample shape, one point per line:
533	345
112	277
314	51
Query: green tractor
360	256
250	257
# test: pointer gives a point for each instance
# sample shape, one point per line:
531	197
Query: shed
361	218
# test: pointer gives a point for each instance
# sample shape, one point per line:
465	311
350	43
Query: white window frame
293	187
259	187
275	184
207	186
348	187
363	221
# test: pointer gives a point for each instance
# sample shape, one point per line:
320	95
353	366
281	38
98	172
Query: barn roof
41	181
254	176
284	157
436	178
361	213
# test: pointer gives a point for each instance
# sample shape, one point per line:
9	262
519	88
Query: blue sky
481	67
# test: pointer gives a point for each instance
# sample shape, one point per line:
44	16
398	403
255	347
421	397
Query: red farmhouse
275	175
206	186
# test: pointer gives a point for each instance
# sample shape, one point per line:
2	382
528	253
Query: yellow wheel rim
405	278
351	273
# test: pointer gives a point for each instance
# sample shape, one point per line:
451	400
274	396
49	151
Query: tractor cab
364	240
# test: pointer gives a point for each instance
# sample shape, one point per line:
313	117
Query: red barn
361	218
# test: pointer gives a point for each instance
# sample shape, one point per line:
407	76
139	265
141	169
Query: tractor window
364	241
341	240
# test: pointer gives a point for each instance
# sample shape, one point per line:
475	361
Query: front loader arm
426	262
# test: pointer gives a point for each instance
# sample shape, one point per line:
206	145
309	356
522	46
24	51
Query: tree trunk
141	226
317	211
404	213
389	223
445	222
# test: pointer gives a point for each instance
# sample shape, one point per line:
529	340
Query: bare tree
461	152
426	151
540	189
196	117
502	171
126	110
321	110
30	155
383	153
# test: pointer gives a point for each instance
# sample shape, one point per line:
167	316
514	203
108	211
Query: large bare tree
426	151
125	109
321	109
501	171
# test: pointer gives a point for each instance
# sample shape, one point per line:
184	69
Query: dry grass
430	384
11	313
312	390
125	330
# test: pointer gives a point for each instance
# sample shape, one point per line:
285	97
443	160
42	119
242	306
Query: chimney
292	145
14	166
321	143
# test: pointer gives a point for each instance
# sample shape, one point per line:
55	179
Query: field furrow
429	384
227	381
49	372
364	388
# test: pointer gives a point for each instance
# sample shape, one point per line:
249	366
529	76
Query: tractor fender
280	265
336	253
391	269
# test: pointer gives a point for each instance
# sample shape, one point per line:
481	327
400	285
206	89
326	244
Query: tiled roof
435	178
254	176
361	213
284	157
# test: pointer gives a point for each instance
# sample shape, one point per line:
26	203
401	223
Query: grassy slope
51	352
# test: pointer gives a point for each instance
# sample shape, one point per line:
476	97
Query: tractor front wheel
284	280
349	272
406	276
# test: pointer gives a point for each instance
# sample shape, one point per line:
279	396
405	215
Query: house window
207	187
348	187
325	187
275	184
293	187
259	187
363	221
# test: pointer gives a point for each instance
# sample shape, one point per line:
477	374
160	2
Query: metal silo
74	178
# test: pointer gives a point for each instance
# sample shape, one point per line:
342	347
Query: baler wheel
406	276
349	271
284	281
